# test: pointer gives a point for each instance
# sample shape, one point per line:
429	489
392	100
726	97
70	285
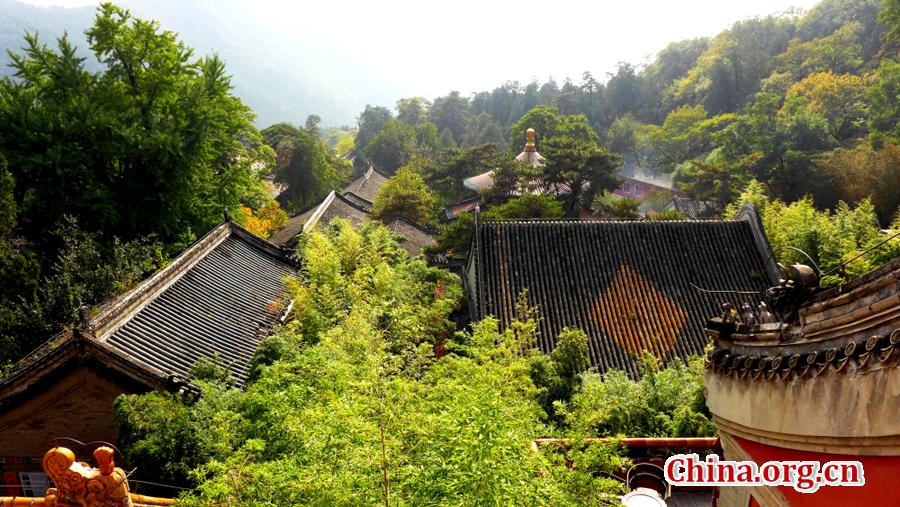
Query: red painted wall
882	474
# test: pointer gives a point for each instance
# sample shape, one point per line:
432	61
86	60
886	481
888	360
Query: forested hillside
369	390
804	103
282	76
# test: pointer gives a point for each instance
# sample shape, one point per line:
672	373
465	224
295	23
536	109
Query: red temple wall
882	476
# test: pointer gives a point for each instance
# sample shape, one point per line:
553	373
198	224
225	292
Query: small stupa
528	156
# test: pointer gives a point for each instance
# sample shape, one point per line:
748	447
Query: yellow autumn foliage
263	222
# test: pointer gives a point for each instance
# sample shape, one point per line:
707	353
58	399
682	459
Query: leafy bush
351	405
86	271
832	239
662	403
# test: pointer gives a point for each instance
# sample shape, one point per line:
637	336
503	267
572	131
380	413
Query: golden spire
529	145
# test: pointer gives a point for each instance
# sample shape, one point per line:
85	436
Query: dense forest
369	394
804	103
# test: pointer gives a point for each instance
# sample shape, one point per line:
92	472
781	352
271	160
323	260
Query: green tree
392	146
620	208
773	145
450	112
405	194
666	402
840	99
686	133
839	52
558	374
728	73
305	166
710	181
624	137
547	123
890	16
884	101
412	111
865	172
427	138
445	172
85	271
312	124
370	122
579	169
447	140
154	143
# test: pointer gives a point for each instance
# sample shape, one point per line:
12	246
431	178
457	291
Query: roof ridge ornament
529	144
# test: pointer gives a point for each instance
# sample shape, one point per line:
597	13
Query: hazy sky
472	45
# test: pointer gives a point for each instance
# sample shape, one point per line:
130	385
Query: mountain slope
283	77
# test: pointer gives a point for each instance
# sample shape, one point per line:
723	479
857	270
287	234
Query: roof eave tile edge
261	244
111	318
403	218
345	193
472	270
12	388
314	218
748	214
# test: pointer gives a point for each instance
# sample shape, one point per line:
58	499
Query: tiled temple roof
691	208
334	205
628	285
648	176
367	186
415	236
225	304
221	296
353	202
455	209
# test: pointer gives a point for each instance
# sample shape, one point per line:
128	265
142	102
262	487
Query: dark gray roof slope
367	186
628	285
334	206
293	227
224	305
415	237
221	296
692	209
354	202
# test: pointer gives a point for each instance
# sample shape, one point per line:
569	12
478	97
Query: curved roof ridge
424	228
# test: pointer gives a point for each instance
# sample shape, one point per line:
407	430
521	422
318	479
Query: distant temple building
455	209
639	183
633	287
692	209
219	298
529	156
813	376
354	203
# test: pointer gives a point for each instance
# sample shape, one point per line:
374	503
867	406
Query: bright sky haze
474	45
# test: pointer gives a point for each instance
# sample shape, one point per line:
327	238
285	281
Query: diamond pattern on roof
649	323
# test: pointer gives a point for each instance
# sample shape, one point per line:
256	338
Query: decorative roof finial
529	145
